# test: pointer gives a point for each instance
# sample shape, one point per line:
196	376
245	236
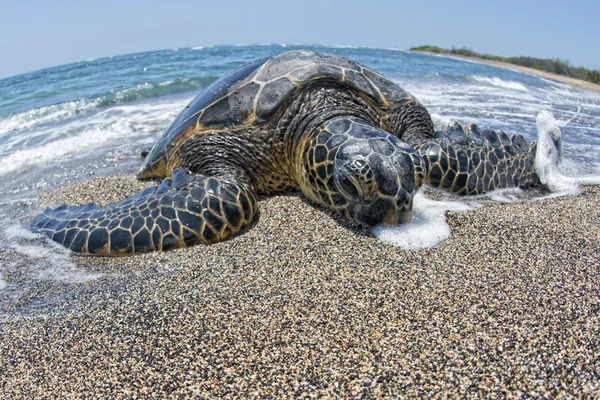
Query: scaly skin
371	164
471	162
187	210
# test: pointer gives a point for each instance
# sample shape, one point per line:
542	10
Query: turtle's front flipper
471	161
183	211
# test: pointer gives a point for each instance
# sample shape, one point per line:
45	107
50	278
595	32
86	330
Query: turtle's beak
384	211
404	217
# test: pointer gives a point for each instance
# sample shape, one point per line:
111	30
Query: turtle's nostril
403	203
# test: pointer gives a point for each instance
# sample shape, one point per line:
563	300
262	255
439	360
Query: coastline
574	83
307	304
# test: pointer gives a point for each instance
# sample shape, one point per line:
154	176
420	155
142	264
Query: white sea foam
439	122
548	157
342	46
495	81
58	112
3	284
473	103
109	125
17	231
508	195
53	263
428	227
31	118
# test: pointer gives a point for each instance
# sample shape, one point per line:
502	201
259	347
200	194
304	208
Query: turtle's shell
252	93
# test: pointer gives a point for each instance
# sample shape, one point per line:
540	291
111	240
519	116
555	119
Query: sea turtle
348	138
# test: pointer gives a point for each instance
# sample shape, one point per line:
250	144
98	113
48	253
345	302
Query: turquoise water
121	102
73	122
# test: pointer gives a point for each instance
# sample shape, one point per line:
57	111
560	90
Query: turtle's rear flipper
182	211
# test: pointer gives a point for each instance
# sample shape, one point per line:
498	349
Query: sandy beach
575	83
306	304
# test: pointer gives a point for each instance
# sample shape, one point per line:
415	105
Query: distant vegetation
558	66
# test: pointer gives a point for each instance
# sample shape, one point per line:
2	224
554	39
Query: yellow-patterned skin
470	161
183	211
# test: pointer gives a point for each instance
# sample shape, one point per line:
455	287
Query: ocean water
70	123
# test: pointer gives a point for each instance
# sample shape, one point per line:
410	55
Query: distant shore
575	83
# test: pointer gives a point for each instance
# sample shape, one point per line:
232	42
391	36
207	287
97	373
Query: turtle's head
379	177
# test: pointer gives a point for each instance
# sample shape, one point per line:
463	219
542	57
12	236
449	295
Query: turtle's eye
355	179
348	187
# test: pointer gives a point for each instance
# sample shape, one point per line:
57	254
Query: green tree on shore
557	66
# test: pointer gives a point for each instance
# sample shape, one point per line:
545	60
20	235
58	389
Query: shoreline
306	304
573	82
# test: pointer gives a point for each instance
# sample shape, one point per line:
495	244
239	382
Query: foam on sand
428	227
48	261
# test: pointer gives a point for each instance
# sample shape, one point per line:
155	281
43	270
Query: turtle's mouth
383	211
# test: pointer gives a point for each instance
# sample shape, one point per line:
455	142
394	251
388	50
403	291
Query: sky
38	34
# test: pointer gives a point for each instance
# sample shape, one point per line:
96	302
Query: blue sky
37	34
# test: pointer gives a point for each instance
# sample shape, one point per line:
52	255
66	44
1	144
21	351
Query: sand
573	82
305	304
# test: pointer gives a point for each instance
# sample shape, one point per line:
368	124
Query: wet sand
306	304
573	82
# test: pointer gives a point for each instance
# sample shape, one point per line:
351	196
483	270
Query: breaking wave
116	123
59	112
495	81
43	115
478	80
